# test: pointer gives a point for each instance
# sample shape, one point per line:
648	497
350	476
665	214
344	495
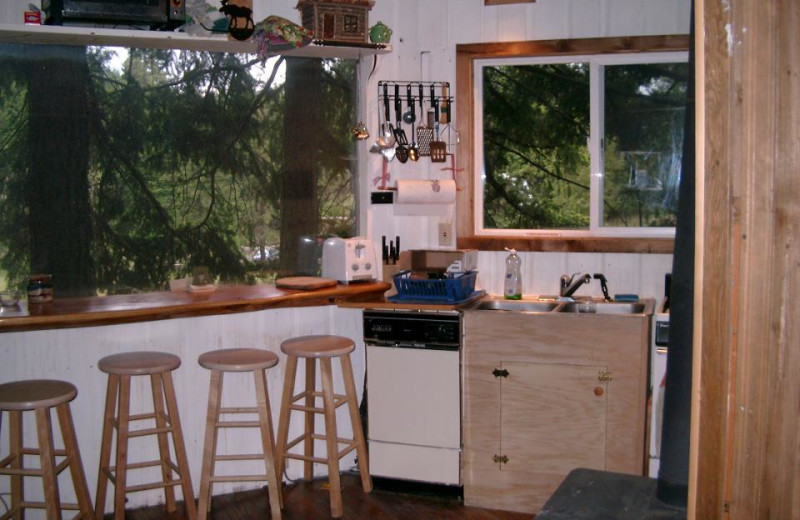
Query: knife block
389	270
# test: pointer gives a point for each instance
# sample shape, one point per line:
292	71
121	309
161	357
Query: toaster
349	259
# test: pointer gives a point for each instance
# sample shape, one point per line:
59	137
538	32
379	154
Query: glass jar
40	288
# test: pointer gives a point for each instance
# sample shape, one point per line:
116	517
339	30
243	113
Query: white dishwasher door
414	411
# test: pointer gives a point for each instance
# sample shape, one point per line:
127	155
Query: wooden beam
745	458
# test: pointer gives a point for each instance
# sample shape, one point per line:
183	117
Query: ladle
413	152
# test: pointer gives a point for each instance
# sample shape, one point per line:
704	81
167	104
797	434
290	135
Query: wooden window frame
466	55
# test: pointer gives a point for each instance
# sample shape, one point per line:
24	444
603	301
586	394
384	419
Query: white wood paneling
72	355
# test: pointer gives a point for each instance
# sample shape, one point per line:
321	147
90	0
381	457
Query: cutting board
304	283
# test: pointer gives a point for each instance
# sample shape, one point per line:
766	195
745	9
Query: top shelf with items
61	35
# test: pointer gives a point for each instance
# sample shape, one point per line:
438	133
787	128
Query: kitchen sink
552	306
603	307
516	305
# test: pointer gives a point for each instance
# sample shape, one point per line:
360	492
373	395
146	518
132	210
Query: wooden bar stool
40	396
239	360
323	348
120	368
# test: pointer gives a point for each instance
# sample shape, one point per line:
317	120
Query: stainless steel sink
516	305
603	307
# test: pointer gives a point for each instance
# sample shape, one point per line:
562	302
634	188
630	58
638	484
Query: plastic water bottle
512	285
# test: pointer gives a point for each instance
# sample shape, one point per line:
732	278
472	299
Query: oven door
414	411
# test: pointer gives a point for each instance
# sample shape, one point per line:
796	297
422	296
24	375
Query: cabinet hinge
605	376
500	373
500	459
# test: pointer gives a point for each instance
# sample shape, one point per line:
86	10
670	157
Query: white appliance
414	395
658	372
349	259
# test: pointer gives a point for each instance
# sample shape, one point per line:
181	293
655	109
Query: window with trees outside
123	168
574	145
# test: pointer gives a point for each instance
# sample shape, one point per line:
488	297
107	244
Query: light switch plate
445	234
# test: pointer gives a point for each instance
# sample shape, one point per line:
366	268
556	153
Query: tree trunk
58	194
302	131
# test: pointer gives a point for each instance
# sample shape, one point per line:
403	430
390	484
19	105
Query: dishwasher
414	395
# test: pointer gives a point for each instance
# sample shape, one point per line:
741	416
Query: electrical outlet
445	234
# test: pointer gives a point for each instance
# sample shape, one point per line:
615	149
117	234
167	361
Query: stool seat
35	393
139	363
238	359
317	346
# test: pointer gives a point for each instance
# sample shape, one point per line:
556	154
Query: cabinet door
553	419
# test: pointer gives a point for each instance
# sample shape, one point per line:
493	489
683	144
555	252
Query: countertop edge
60	314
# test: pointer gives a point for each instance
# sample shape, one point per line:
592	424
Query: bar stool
120	368
323	348
40	396
238	360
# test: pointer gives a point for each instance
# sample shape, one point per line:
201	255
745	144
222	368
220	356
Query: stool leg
74	455
267	444
331	437
15	444
105	447
180	448
285	415
163	442
123	426
209	444
355	421
44	430
310	419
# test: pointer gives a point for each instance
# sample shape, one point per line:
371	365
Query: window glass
644	121
587	145
124	168
536	160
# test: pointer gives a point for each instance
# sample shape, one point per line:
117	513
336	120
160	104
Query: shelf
61	35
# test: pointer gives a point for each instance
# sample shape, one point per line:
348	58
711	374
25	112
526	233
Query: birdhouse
339	20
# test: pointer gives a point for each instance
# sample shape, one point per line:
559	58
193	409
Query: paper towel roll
426	191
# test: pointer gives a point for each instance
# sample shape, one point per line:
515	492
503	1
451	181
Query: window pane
123	168
536	160
644	119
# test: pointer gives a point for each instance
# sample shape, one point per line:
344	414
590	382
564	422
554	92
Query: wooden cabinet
547	393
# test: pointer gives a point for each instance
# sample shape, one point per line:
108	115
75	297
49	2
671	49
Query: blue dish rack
445	291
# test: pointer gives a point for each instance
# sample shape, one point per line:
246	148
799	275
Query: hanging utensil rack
448	133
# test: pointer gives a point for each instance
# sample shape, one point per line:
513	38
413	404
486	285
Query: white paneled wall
72	354
426	33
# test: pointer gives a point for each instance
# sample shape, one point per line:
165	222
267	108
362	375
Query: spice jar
40	288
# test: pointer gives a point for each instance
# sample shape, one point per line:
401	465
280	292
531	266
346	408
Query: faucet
603	285
569	284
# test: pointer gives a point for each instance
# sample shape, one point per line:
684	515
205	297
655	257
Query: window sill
131	308
569	244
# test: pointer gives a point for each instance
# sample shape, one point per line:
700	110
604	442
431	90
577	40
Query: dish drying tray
444	291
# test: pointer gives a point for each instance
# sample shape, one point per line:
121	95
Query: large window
122	168
572	145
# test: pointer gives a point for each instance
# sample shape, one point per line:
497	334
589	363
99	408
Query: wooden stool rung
25	472
350	446
43	505
237	424
239	409
149	431
154	485
239	478
8	460
301	408
297	456
254	456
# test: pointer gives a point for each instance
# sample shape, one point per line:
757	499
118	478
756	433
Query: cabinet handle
598	391
500	373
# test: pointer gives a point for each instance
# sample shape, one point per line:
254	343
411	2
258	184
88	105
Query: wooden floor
309	500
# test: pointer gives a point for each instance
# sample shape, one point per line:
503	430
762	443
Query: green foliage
185	162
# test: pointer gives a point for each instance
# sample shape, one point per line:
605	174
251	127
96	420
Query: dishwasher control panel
430	330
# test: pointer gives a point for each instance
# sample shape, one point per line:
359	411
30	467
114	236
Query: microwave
157	14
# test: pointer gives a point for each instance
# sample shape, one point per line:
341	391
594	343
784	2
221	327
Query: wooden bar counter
131	308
